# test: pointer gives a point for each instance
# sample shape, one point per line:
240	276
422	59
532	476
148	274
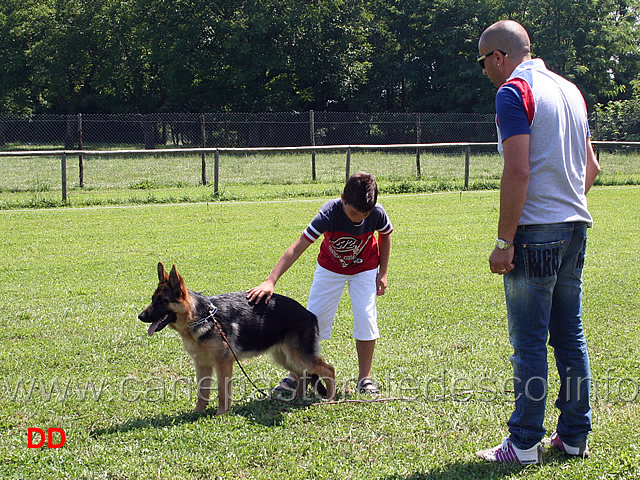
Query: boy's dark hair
361	192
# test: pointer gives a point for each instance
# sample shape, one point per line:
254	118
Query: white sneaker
570	450
508	452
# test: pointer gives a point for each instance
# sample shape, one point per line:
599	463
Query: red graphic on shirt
347	250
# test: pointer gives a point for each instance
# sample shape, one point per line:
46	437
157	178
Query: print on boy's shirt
347	249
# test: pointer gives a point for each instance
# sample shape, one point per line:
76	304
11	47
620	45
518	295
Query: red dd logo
45	437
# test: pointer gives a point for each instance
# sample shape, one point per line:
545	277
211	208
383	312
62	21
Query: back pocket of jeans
542	261
577	269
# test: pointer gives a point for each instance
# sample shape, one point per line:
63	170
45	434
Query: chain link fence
268	129
239	130
452	151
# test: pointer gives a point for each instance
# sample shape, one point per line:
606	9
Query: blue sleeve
512	117
383	225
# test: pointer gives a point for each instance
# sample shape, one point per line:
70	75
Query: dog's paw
318	386
200	407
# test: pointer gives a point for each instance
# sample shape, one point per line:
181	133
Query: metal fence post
418	169
216	170
63	167
467	158
348	163
313	144
204	145
80	158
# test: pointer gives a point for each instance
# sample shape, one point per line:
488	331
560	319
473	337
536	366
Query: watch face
502	245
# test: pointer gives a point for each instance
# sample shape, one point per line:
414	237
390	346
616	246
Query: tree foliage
62	56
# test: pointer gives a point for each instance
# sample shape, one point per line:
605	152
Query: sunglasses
481	58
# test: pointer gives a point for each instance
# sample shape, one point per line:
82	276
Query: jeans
544	300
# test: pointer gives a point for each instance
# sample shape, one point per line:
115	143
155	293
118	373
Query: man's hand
501	261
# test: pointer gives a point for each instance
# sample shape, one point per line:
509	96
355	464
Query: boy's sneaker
508	452
567	449
286	390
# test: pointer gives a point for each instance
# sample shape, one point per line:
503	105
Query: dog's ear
162	275
177	283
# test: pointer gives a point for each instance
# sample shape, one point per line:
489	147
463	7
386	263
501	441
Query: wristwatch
503	245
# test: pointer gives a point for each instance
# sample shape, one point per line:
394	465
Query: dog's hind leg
224	373
279	356
203	376
306	367
327	374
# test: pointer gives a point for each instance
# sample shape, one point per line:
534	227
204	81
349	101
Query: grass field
34	182
74	356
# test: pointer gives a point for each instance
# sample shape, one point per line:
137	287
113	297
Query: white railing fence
216	152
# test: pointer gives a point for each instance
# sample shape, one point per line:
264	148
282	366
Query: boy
349	253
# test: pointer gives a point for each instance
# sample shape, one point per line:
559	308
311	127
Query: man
549	166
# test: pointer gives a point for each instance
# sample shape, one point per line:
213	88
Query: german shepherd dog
282	327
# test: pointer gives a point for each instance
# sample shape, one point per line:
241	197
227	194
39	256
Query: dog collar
212	312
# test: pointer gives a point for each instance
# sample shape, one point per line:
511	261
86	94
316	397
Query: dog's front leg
203	375
224	372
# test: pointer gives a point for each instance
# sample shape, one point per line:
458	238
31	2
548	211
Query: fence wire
444	151
267	129
239	130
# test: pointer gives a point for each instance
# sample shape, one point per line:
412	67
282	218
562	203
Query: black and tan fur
283	327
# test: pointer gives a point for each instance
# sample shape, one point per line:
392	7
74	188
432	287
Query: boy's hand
264	290
381	283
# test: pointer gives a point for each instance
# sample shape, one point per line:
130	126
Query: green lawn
74	356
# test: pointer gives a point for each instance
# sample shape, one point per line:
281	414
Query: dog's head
170	299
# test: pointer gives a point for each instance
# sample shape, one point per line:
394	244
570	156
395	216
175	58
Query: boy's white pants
324	298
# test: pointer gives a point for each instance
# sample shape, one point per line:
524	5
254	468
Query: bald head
508	36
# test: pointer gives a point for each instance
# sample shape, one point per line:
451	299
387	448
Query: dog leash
211	316
212	311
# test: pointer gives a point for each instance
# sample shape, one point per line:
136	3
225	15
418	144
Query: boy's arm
384	244
288	258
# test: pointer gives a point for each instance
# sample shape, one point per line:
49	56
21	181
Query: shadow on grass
480	470
269	413
160	421
467	470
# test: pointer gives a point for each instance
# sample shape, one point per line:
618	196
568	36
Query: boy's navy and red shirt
347	248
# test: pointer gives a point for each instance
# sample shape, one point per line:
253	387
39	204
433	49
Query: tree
423	56
593	43
21	26
148	56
